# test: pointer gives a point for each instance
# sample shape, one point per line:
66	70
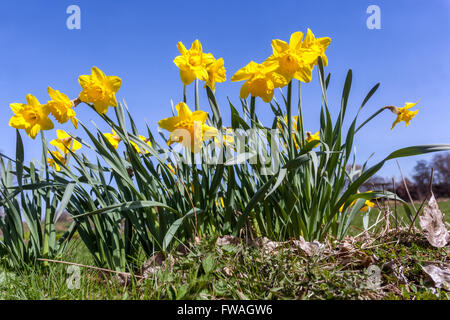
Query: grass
357	226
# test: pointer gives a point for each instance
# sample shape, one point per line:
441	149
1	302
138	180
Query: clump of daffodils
291	60
311	186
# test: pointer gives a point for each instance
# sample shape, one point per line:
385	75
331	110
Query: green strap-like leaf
174	227
125	206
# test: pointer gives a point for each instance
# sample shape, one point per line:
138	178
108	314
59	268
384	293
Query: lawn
444	206
207	270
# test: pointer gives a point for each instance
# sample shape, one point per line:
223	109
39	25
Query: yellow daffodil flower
53	163
261	79
193	62
188	128
227	138
342	207
65	142
146	140
313	137
221	202
32	116
61	107
317	46
403	114
99	89
294	60
113	138
295	127
367	205
216	73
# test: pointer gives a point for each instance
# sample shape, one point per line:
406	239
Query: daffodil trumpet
188	128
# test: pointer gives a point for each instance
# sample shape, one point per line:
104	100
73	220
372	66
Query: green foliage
31	195
305	195
127	205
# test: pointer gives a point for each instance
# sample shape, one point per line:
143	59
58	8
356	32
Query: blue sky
136	40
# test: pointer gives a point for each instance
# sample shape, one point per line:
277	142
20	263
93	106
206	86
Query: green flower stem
195	195
252	111
184	94
194	167
300	115
48	217
370	118
289	121
196	95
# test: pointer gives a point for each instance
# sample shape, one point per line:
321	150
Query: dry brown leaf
266	244
122	279
156	263
226	240
310	248
397	271
183	249
440	276
228	272
432	224
269	246
367	261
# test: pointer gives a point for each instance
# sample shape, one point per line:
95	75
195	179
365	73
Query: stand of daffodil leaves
287	180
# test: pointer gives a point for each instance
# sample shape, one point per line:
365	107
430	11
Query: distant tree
411	187
441	182
376	183
441	165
